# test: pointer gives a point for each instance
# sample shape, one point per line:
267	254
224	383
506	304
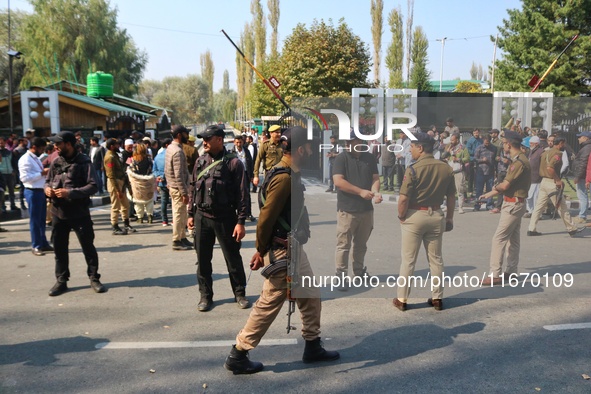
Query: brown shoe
436	304
399	304
491	282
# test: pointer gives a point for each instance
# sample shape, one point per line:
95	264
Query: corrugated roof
103	104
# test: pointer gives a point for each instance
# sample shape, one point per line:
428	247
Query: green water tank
99	84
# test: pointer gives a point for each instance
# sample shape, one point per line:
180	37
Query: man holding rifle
552	188
275	231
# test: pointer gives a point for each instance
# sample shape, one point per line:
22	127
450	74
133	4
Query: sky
174	33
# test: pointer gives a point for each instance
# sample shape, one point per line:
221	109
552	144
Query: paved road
485	341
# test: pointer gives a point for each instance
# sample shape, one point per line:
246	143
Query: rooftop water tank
99	84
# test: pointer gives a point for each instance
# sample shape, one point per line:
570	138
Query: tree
323	61
534	35
187	97
480	75
377	8
273	6
474	71
410	4
468	87
249	52
262	100
260	32
395	55
419	75
207	71
17	20
226	84
68	35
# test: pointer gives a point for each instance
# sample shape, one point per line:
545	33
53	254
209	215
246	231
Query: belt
280	241
34	188
514	199
424	208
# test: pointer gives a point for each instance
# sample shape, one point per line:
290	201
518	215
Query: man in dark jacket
581	160
70	183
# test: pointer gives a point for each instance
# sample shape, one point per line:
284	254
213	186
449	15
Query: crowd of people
210	198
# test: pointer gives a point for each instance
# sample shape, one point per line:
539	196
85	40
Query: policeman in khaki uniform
269	154
550	166
271	244
514	188
424	186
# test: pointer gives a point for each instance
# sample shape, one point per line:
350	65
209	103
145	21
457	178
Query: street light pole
441	66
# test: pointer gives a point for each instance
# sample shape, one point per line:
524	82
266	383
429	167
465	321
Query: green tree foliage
17	20
273	6
533	36
419	74
186	97
377	10
76	32
410	5
262	100
468	87
249	52
207	70
226	83
395	55
260	32
323	61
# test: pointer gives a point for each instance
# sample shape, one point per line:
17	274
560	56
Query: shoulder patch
557	157
512	168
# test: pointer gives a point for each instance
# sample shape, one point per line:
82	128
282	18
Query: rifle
558	193
293	257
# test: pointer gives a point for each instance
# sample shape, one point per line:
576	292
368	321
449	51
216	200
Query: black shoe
150	219
252	218
242	302
186	242
329	190
575	232
118	231
14	208
314	352
178	245
97	286
533	233
38	252
58	288
130	229
47	248
205	304
238	362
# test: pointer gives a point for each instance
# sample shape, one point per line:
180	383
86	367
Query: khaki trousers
353	231
271	301
506	240
460	181
117	204
426	227
548	186
179	215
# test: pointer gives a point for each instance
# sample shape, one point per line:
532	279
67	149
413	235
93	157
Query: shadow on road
40	353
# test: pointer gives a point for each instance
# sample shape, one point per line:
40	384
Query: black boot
117	230
128	227
239	364
150	219
314	352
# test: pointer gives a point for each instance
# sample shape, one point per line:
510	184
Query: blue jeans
480	181
37	210
164	202
583	199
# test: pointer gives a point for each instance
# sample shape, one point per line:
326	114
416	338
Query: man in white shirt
97	156
32	175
